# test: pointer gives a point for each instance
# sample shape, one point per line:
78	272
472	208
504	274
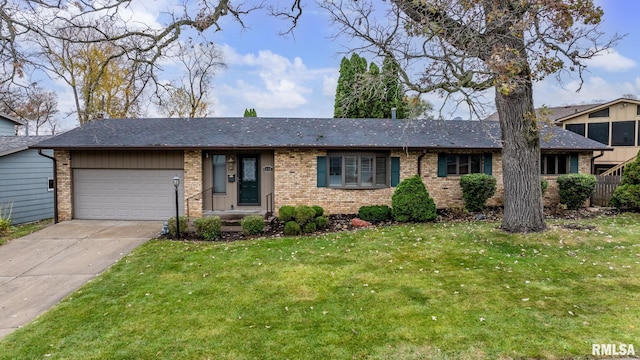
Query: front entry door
249	180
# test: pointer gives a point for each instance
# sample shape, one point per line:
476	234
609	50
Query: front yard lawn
432	291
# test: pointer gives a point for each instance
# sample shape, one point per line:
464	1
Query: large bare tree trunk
523	208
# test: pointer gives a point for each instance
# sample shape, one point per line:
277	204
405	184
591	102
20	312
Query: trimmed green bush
184	226
208	228
411	201
309	227
319	210
252	224
286	213
627	195
292	228
575	189
476	190
304	214
322	222
375	213
544	185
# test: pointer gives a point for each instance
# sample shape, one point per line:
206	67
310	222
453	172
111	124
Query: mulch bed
342	222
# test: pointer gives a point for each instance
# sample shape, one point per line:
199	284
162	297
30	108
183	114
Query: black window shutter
488	164
442	165
395	171
573	167
322	171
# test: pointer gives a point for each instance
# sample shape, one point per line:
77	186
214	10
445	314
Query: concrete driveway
40	269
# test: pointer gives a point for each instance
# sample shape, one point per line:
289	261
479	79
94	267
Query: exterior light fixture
176	183
231	162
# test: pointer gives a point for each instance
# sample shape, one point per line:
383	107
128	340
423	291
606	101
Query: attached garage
125	185
113	194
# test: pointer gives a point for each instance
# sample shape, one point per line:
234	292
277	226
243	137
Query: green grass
22	230
433	291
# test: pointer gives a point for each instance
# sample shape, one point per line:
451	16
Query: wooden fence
604	189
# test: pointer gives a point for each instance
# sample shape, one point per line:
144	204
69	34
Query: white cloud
329	85
272	84
611	61
549	92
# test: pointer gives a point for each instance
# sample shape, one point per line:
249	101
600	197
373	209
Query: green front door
249	180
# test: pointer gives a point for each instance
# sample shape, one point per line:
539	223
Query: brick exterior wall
446	191
552	196
295	182
193	182
64	185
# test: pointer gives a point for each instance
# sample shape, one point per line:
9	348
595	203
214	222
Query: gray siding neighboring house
8	125
24	176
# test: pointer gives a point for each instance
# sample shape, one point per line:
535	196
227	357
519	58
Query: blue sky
305	68
296	75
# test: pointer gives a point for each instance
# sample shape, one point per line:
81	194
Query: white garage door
114	194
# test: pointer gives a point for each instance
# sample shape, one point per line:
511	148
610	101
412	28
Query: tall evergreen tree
369	93
250	113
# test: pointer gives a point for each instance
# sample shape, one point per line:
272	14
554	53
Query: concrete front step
231	219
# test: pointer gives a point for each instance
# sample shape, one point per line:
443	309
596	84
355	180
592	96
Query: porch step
231	218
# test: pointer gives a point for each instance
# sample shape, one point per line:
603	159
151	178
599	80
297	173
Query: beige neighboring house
614	123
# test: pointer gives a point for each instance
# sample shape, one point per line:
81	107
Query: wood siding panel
7	128
125	159
24	185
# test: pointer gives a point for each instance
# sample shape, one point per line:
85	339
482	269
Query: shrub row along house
123	168
26	178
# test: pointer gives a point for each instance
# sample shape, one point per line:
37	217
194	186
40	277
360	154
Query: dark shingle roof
263	133
13	144
557	112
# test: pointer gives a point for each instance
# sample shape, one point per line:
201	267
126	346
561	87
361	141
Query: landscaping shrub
252	224
5	217
292	228
319	210
208	228
374	213
575	189
476	190
544	185
184	226
322	222
309	227
304	214
627	195
411	201
286	213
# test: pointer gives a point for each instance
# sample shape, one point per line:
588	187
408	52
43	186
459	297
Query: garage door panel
125	194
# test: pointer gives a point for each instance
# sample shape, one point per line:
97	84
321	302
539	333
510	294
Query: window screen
219	174
600	113
599	132
623	133
576	128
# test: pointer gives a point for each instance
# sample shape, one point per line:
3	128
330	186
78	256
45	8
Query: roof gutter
593	161
55	185
424	152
